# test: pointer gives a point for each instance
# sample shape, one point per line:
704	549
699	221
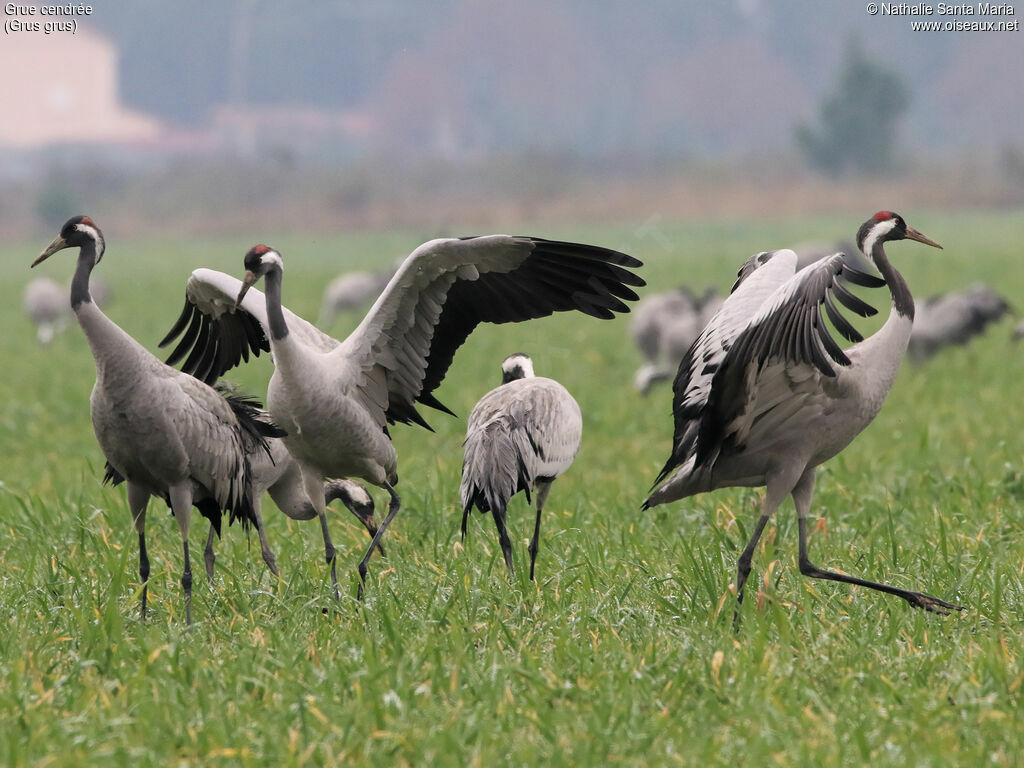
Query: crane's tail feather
495	467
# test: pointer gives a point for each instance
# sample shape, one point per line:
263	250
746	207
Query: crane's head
885	226
77	232
517	366
260	261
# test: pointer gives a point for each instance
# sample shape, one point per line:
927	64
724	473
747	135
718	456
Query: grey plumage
336	399
663	326
954	318
46	304
766	394
350	291
165	432
219	346
520	436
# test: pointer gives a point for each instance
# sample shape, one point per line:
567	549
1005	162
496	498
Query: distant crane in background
335	399
167	433
954	318
350	291
520	436
663	326
46	304
766	394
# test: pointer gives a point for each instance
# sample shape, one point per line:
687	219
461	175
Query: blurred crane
663	327
165	432
46	304
348	292
766	394
520	436
954	318
335	399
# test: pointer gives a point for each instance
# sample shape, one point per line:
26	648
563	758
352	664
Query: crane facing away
766	394
167	433
520	436
336	399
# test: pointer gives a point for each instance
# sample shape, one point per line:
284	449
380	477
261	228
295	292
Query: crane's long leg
261	531
393	507
506	545
775	491
181	506
542	495
802	498
315	492
209	556
138	500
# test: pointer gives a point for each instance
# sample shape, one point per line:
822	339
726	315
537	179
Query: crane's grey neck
902	301
80	282
275	314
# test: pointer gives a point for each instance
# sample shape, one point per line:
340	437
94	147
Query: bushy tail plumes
494	468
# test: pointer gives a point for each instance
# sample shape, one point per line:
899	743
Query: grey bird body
210	300
348	292
954	318
663	326
520	436
166	433
336	399
766	395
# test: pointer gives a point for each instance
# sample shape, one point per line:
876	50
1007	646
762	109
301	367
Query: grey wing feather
213	337
785	348
445	288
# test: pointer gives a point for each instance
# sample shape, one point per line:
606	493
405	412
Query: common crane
275	472
350	291
765	394
46	304
336	399
663	326
520	437
954	318
167	433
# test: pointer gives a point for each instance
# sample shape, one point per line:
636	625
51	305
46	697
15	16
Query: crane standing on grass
336	399
520	437
167	433
765	394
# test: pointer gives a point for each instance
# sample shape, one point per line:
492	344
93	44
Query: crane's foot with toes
932	604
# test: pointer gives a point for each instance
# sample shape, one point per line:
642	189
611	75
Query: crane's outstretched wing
757	279
445	288
215	337
785	347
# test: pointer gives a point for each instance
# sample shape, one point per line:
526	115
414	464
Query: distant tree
858	119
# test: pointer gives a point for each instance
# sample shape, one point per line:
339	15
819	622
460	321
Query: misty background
294	115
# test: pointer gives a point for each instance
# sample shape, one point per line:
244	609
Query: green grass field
623	652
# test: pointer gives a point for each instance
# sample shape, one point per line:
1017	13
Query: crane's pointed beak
247	283
913	234
58	244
